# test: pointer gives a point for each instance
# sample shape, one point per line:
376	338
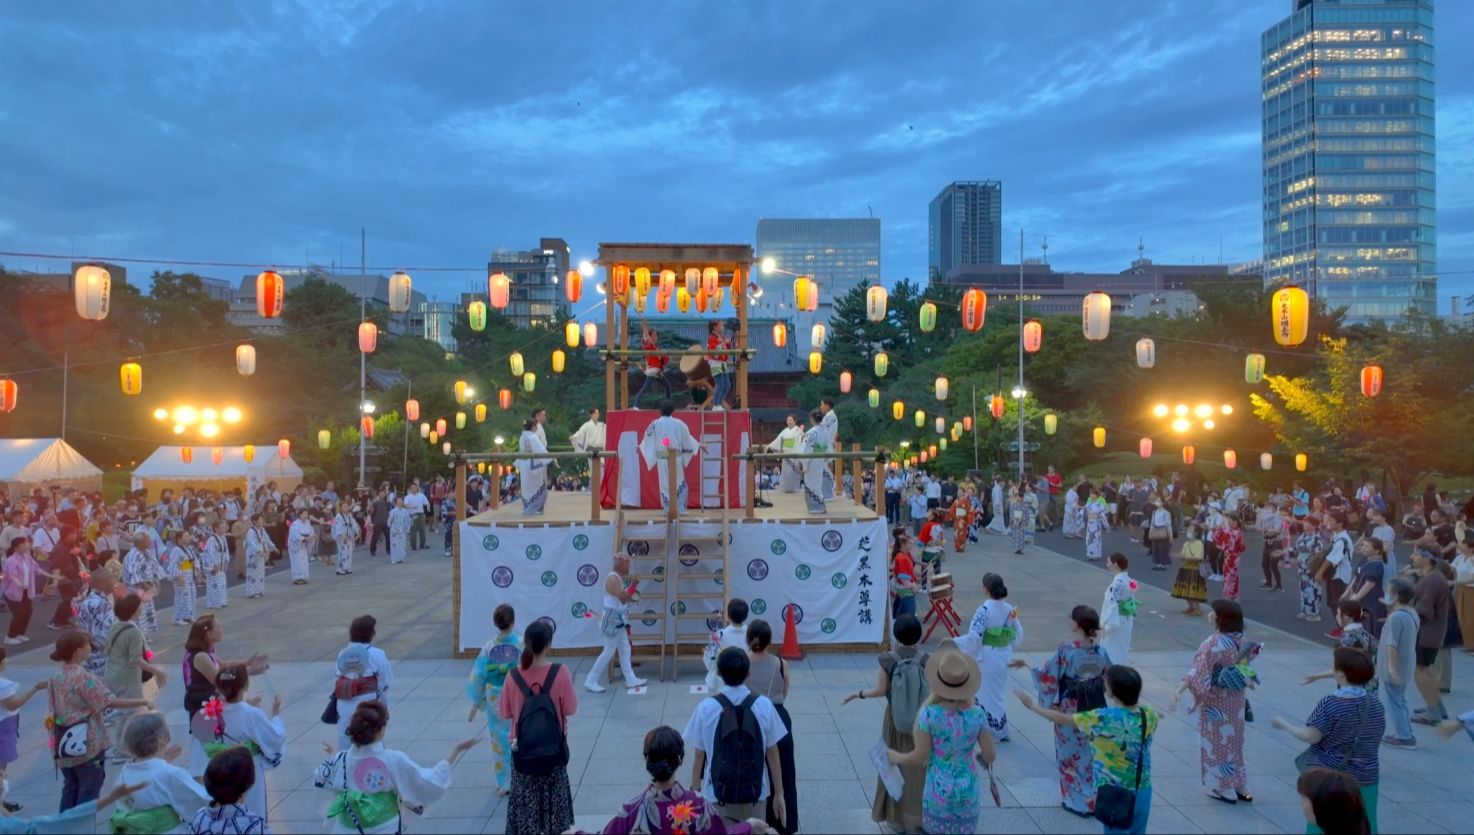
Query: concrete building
1142	289
537	276
838	253
1348	148
374	287
218	288
965	226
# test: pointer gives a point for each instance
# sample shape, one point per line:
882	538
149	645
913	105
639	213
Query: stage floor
565	508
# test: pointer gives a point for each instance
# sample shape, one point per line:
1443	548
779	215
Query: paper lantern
714	299
940	424
9	392
802	288
928	317
590	334
1254	368
1095	316
245	360
445	448
1146	352
248	452
441	427
846	379
92	290
923	456
480	412
967	423
271	294
683	299
974	309
1266	461
186	454
920	418
817	336
941	388
898	410
1145	447
1033	336
411	410
780	334
1301	462
460	420
571	334
638	302
130	377
324	439
529	382
693	280
1291	310
366	427
560	360
283	448
1051	423
642	281
400	292
662	302
873	398
882	363
942	444
481	467
667	281
997	405
875	303
424	430
711	280
434	437
368	337
515	361
1097	436
1230	459
1371	380
476	314
619	281
701	300
573	286
1189	454
504	399
816	362
499	290
462	391
956	431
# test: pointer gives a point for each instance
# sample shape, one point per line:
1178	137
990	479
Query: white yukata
788	441
258	548
169	793
214	560
590	436
300	537
1073	525
142	573
999	508
818	481
669	433
266	737
227	820
532	472
357	661
345	536
398	782
400	521
1116	626
179	562
830	424
993	634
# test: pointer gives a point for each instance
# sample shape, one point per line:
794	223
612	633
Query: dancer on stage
532	472
716	338
668	433
818	482
590	436
829	420
788	441
654	364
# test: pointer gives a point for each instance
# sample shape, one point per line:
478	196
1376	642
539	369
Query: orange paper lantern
271	294
780	335
1371	380
368	337
499	290
1189	454
283	448
1230	459
217	455
366	427
619	281
186	454
974	309
996	405
967	423
441	427
504	399
412	410
711	280
9	392
846	379
573	286
1145	447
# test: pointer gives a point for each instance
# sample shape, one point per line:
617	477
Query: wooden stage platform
566	507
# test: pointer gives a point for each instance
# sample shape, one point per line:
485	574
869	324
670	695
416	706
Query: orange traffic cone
791	651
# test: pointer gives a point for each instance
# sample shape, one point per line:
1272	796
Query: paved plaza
302	629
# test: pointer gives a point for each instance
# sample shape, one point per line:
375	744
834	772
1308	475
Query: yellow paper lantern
401	289
590	334
1095	316
637	301
1301	462
642	281
571	334
476	314
1254	369
324	437
1291	310
245	360
816	362
460	420
1146	352
920	418
928	317
898	410
480	412
560	360
1098	436
942	444
92	289
1051	423
846	379
780	334
802	287
461	389
368	337
941	388
481	467
248	452
130	377
873	398
499	290
515	361
875	303
714	300
529	382
683	300
434	437
882	363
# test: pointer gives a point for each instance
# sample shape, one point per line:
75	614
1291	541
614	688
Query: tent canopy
166	469
27	463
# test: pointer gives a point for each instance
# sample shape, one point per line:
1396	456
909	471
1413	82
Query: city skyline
1106	127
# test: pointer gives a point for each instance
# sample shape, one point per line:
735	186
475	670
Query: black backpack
1087	688
738	761
542	747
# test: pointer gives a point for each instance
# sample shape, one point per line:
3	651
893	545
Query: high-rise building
838	253
537	276
1348	154
965	226
439	323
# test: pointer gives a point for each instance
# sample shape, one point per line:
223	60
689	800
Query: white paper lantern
400	290
1096	316
92	288
875	303
245	360
1146	352
817	337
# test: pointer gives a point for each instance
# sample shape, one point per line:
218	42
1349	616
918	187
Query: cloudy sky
272	130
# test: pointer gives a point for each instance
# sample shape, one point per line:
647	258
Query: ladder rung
703	637
695	615
647	640
648	576
703	595
684	576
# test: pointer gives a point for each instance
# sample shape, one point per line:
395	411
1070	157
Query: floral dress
484	689
1072	751
1307	545
1220	714
1095	527
1231	542
953	798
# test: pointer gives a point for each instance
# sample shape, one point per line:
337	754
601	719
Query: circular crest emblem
689	550
649	618
827	626
720	575
587	575
678	607
778	547
659	574
637	548
490	542
501	576
802	571
758	606
579	610
549	579
757	569
832	541
798	613
534	552
580	542
373	775
839	580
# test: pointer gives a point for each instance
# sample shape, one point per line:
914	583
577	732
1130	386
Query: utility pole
1020	398
976	461
362	357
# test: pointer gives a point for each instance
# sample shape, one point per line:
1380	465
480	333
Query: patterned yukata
532	473
484	689
1095	527
300	537
258	547
400	522
1220	715
961	513
227	820
1020	525
1072	749
1231	542
180	564
953	798
1073	526
975	521
1307	545
345	536
142	574
213	561
998	632
95	616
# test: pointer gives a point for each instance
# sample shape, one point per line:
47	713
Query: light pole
409	394
362	357
1020	392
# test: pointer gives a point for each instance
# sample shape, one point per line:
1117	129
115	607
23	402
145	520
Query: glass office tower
1348	149
840	253
964	226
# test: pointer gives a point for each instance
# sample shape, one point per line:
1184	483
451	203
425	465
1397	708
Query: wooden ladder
653	574
709	551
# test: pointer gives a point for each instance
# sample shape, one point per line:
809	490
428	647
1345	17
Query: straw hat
952	674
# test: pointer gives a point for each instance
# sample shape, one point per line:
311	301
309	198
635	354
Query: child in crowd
12	699
734	634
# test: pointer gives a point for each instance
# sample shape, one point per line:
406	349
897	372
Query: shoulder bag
1115	806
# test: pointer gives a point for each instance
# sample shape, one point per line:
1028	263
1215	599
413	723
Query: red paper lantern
283	448
271	294
217	455
440	426
411	410
499	290
967	423
1033	336
573	285
1371	380
996	405
1189	454
9	391
186	454
368	337
1146	447
366	427
1230	459
619	281
974	309
504	399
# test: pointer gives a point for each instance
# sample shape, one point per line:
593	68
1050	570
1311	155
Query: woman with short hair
170	796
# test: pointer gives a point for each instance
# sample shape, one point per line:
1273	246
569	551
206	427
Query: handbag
67	741
1302	760
330	714
1115	806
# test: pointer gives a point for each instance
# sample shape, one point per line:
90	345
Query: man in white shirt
916	507
417	504
933	493
590	436
541	416
701	732
1337	571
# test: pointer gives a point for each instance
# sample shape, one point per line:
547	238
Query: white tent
28	463
167	469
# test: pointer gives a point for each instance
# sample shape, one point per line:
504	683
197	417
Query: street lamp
586	268
368	407
1019	392
769	264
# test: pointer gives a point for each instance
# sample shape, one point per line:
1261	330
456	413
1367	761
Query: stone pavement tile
1425	816
1166	819
1057	820
840	766
841	820
461	802
1005	821
1245	818
296	805
448	826
1040	791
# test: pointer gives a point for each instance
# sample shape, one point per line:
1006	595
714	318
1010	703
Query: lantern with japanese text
476	315
714	300
642	281
711	281
130	377
92	288
1051	423
701	300
1097	436
1146	352
504	399
271	294
817	336
499	290
974	309
667	282
284	448
248	452
424	430
529	382
920	418
573	286
898	410
9	392
1033	336
803	287
846	379
1291	312
662	302
462	391
1254	368
411	410
1095	316
780	334
928	317
366	427
619	281
1371	380
1145	447
401	288
441	427
967	423
875	303
245	360
1266	461
515	361
941	388
816	362
683	299
368	337
480	412
882	363
873	398
1189	454
460	420
693	280
1230	459
560	360
571	334
186	454
1301	462
590	334
997	405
